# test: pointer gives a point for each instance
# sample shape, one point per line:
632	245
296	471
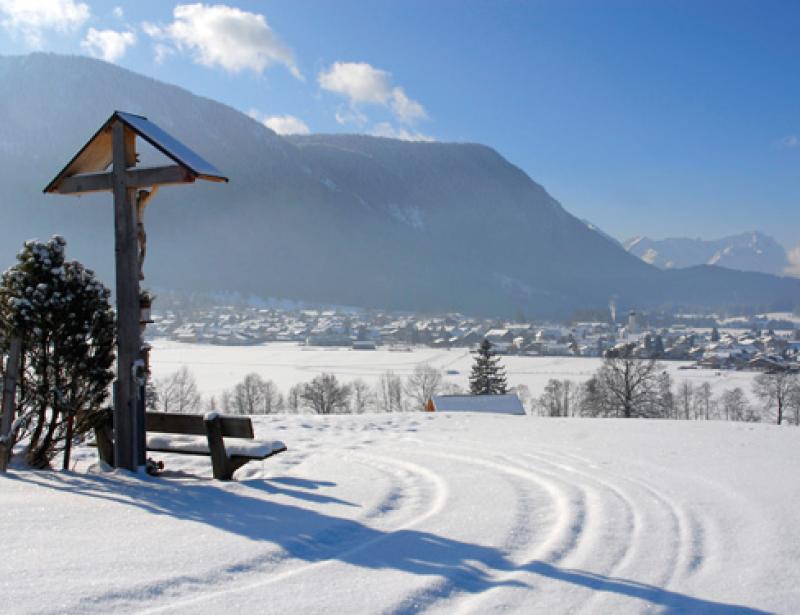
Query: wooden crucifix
114	144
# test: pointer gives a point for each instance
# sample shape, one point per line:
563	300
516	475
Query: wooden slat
194	425
138	178
169	422
158	176
89	182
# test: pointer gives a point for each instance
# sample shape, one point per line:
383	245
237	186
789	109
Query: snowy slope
424	513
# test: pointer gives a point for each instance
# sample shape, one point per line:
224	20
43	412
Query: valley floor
218	368
423	513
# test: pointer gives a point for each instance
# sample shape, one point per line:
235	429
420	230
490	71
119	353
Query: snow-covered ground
423	513
217	368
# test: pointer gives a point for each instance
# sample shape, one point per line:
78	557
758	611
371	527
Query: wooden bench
225	459
182	434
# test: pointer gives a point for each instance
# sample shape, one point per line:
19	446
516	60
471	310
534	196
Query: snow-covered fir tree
63	315
488	376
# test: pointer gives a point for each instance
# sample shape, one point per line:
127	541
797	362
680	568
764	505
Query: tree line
624	386
628	387
324	394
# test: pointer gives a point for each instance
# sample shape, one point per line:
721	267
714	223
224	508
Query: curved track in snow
407	514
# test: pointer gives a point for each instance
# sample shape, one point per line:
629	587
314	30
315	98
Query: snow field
217	368
424	513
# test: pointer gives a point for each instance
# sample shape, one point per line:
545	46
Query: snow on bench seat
198	445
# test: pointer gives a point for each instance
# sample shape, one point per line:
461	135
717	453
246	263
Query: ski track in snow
449	525
406	478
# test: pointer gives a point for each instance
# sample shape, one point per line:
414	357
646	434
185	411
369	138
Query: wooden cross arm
136	178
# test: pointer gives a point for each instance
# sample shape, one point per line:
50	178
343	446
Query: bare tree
686	399
226	401
775	389
593	400
248	395
423	384
324	394
664	401
627	383
293	401
389	393
362	399
704	401
273	400
560	398
794	403
735	406
178	392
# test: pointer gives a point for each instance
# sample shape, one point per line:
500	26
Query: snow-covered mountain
752	251
345	219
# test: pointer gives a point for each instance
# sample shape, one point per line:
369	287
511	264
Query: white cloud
162	52
110	45
118	12
405	109
358	81
224	36
350	115
31	18
362	83
789	141
287	125
385	129
153	30
793	256
281	124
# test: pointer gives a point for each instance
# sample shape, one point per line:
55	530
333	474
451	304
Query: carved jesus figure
142	198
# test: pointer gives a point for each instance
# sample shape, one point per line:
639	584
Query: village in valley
760	342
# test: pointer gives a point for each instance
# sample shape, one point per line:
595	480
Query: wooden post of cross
126	422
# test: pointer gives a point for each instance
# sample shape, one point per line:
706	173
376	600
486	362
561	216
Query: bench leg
104	435
221	464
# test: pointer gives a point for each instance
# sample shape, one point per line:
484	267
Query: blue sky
660	118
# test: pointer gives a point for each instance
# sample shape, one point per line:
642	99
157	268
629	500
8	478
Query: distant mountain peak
747	251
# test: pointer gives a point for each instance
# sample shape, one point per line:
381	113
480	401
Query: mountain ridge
747	251
346	219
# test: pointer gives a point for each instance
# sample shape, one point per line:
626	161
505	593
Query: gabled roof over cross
87	171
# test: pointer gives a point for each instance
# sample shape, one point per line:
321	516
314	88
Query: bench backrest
194	424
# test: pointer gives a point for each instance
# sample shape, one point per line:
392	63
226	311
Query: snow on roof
497	332
500	404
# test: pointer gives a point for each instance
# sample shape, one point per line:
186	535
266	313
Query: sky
661	118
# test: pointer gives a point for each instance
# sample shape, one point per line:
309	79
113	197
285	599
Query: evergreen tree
488	376
714	334
63	315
